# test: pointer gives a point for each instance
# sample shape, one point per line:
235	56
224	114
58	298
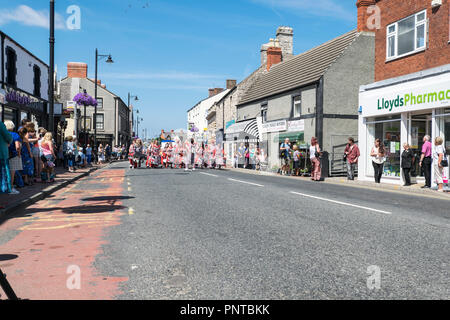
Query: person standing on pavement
438	167
314	155
70	153
425	161
48	151
351	155
5	178
296	157
15	158
89	154
378	158
285	153
407	164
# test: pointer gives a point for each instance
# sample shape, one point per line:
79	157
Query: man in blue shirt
15	158
285	153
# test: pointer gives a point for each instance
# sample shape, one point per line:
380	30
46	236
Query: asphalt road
229	235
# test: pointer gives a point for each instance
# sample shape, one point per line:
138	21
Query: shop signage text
13	96
274	126
297	125
414	95
413	99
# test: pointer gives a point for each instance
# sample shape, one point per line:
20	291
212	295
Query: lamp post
97	58
84	125
51	77
130	96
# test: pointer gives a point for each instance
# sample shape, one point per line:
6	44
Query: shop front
16	106
239	136
403	110
276	132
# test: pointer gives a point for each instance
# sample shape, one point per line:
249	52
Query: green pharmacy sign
412	99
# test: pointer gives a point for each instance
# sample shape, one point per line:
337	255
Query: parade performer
131	154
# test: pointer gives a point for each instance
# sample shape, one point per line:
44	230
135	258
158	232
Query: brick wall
437	52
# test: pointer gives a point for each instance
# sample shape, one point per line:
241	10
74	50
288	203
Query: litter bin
325	165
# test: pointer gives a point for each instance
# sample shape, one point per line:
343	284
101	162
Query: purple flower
84	99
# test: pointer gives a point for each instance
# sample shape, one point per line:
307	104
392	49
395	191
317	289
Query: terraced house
312	94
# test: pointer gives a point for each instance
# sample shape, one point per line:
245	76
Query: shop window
11	68
37	81
297	107
407	36
389	133
100	122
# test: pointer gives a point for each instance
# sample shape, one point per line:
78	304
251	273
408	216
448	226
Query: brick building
411	94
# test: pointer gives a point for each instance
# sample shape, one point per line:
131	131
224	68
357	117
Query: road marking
208	174
339	202
131	211
129	189
253	184
129	183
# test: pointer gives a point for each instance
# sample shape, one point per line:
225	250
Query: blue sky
170	52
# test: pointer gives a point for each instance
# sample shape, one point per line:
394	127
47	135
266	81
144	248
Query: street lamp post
130	96
109	60
51	77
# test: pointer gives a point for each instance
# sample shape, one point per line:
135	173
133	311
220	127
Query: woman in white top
438	156
378	158
314	153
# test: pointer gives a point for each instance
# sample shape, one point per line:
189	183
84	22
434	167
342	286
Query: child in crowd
296	161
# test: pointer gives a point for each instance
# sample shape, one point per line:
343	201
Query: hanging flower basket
83	99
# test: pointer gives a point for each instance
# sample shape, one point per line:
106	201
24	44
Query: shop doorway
419	126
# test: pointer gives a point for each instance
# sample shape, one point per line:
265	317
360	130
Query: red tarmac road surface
65	230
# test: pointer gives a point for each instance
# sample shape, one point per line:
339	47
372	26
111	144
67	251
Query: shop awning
293	136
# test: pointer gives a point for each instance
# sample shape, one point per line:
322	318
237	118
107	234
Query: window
99	103
11	69
100	122
264	112
407	36
37	81
88	123
297	104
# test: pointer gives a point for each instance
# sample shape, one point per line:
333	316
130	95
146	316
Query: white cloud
28	16
329	8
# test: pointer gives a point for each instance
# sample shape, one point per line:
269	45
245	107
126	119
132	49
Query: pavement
31	194
170	234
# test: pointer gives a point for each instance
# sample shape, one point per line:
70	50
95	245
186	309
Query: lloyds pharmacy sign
416	95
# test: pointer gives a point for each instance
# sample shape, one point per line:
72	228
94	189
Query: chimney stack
77	70
363	16
285	35
231	84
213	92
274	54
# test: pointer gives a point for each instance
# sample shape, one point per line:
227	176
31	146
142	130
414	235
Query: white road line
208	174
342	203
253	184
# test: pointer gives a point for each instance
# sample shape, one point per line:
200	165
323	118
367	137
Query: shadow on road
108	198
7	257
